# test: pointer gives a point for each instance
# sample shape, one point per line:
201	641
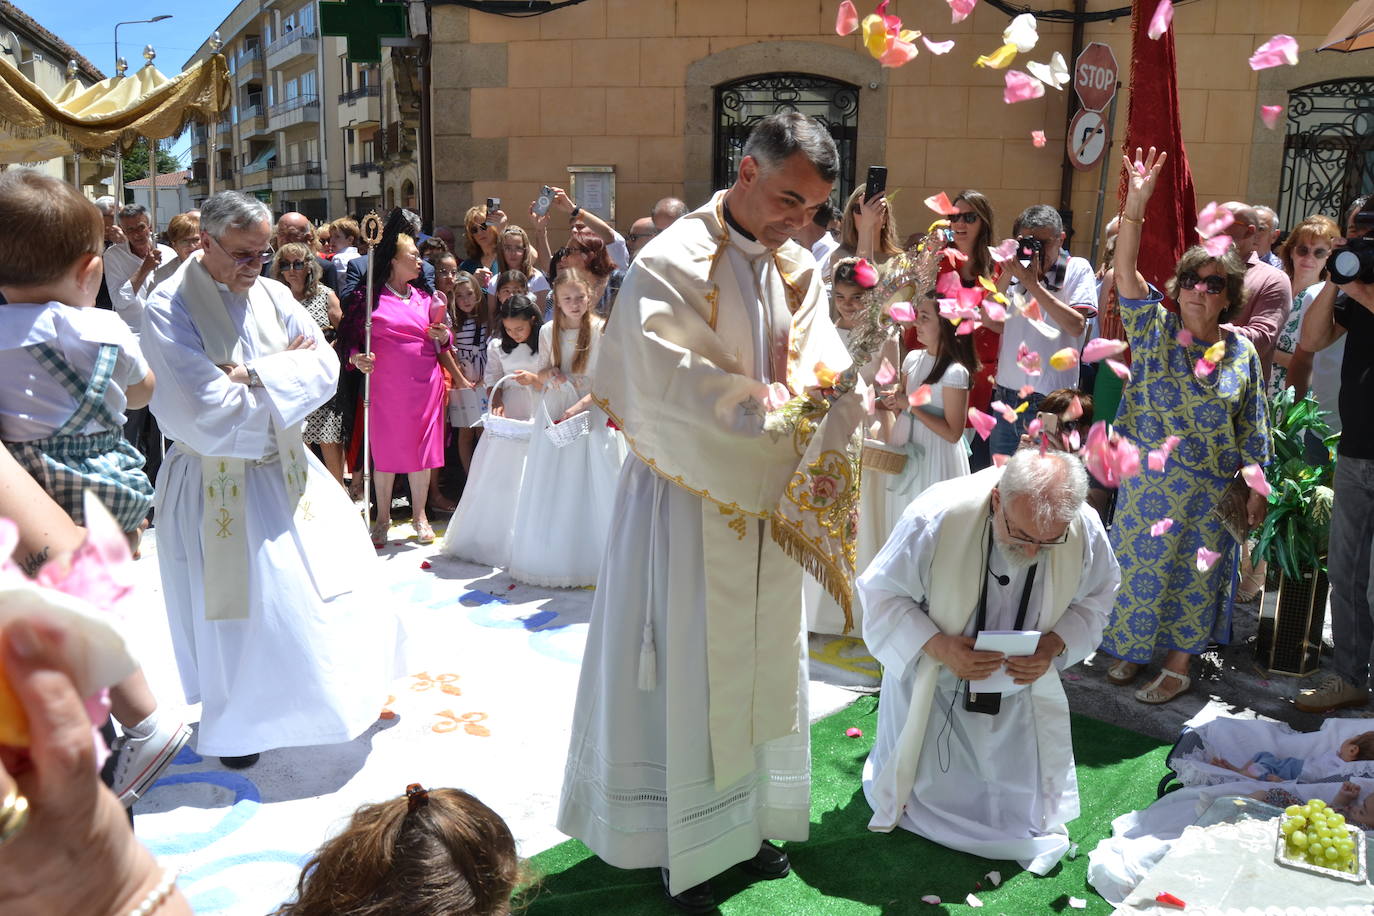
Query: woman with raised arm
1198	385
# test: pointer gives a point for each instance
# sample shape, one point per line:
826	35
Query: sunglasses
293	265
1303	251
969	218
1190	280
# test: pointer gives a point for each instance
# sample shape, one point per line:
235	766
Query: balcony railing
360	93
288	38
223	127
363	168
296	168
300	101
253	168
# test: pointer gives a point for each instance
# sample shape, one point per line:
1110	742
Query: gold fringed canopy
114	112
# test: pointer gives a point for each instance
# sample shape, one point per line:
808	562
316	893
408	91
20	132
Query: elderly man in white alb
689	742
985	768
265	563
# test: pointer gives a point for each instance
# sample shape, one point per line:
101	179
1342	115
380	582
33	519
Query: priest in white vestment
689	743
1001	784
266	566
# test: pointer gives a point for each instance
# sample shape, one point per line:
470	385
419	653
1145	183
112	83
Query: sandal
1154	692
1123	672
424	534
379	534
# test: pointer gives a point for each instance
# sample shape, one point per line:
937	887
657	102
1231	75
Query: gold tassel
834	580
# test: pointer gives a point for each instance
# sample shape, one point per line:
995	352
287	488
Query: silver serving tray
1359	876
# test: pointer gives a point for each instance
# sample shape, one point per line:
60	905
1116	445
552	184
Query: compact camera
1028	250
1353	262
541	206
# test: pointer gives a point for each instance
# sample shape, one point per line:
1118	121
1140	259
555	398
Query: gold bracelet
1132	219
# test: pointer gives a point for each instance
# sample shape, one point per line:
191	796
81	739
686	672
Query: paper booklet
1009	643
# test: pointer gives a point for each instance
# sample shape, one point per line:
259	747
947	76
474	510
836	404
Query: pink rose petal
938	47
1025	391
776	396
1205	558
885	373
1157	459
1101	347
1213	219
846	19
1034	427
902	312
959	11
870	400
1037	138
996	310
898	53
1203	367
1028	359
1277	51
999	460
1122	370
1184	337
1110	457
1255	479
931	898
982	423
920	397
1159	22
967	326
1270	115
940	204
1007	413
1075	409
865	274
1217	245
1005	251
853	733
1161	527
1021	87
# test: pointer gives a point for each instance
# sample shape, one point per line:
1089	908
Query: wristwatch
253	380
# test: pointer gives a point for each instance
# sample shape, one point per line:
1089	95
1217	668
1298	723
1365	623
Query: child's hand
570	413
437	332
498	411
524	377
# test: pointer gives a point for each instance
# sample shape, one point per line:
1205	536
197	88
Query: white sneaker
140	761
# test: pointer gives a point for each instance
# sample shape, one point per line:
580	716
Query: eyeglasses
969	217
445	273
1190	279
261	257
1022	538
1303	251
293	265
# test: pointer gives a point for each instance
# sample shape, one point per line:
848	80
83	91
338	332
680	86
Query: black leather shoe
240	763
696	899
770	862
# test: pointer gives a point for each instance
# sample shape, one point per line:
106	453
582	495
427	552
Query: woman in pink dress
408	396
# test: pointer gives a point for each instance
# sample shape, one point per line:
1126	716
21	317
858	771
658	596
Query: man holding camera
1345	306
983	767
1065	292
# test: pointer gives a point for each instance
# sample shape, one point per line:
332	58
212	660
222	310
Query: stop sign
1094	76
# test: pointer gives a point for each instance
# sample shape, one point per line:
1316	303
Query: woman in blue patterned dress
1174	595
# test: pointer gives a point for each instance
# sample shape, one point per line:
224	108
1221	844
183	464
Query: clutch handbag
1231	509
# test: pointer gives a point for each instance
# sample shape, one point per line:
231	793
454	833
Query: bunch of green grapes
1318	835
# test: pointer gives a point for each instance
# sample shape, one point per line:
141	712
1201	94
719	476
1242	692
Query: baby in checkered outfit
70	370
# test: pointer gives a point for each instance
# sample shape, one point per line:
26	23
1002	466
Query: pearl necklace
406	297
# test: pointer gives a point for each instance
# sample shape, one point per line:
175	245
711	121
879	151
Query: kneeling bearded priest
988	773
266	566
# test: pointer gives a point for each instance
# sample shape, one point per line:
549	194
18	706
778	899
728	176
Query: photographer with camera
1345	308
1007	549
1066	291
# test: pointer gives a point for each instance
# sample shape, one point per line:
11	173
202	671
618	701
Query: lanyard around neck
983	593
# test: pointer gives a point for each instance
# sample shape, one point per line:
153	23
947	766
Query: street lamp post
120	67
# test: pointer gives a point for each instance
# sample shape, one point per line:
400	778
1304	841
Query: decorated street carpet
486	708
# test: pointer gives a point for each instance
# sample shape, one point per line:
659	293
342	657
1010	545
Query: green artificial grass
844	868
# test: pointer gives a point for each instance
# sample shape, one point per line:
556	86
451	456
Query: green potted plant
1293	537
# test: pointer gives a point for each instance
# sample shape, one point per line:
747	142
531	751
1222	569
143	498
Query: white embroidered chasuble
692	691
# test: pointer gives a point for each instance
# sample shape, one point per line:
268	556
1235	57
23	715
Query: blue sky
88	26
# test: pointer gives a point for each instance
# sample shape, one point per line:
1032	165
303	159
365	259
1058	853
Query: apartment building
309	131
44	58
